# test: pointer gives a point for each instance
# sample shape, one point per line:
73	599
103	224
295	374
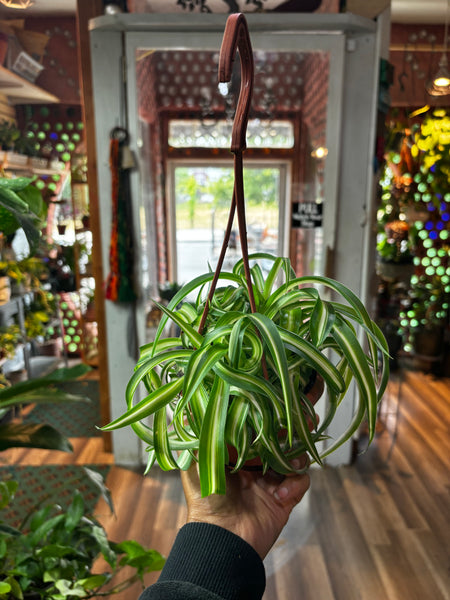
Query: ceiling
403	11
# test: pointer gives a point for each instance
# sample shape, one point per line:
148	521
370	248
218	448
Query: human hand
255	507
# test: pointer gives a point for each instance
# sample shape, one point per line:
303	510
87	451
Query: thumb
291	490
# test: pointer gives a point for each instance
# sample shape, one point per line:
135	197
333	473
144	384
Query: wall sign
306	215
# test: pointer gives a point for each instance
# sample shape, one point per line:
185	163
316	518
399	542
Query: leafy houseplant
241	382
423	320
51	554
21	205
236	375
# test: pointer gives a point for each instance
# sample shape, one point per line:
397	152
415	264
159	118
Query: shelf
20	91
11	161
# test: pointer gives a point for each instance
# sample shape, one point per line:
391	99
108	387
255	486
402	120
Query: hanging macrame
120	284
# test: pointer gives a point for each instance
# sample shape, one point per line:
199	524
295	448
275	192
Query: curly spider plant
236	375
241	381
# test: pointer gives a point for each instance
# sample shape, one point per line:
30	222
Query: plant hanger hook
236	36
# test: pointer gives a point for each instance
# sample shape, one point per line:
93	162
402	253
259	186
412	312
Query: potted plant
395	258
9	134
240	381
232	386
52	553
21	206
10	336
424	319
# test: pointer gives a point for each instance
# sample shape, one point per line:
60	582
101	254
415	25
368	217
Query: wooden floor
376	530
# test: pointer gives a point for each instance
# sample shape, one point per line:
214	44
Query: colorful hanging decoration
120	281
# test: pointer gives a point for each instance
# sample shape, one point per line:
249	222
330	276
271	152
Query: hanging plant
233	385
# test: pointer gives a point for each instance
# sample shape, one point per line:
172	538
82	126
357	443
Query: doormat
72	419
49	484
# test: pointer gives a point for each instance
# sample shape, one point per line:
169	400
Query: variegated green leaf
211	453
321	321
148	405
161	442
357	360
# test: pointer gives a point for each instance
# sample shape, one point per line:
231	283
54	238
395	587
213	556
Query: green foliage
38	391
217	186
9	134
53	551
21	205
241	381
10	336
427	308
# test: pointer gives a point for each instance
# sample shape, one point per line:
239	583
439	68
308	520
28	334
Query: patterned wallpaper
229	6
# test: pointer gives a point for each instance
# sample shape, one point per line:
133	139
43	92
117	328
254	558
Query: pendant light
20	4
440	84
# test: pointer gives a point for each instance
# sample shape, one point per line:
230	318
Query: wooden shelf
20	91
12	161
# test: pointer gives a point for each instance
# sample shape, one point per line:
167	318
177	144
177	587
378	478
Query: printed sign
306	215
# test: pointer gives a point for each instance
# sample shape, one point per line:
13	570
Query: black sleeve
208	562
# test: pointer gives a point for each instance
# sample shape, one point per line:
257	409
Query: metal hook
236	37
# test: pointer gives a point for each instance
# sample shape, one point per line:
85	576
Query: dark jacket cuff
215	560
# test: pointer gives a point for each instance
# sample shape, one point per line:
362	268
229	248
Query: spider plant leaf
384	377
273	341
252	383
148	405
245	348
200	364
184	460
148	350
152	363
151	458
258	277
352	428
188	288
198	405
321	321
211	453
161	442
352	350
302	426
236	430
179	319
317	360
272	276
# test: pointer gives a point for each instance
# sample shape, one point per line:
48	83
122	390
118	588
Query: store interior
346	172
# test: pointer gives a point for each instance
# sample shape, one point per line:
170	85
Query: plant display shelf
20	91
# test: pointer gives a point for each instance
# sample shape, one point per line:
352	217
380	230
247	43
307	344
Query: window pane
202	199
217	134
